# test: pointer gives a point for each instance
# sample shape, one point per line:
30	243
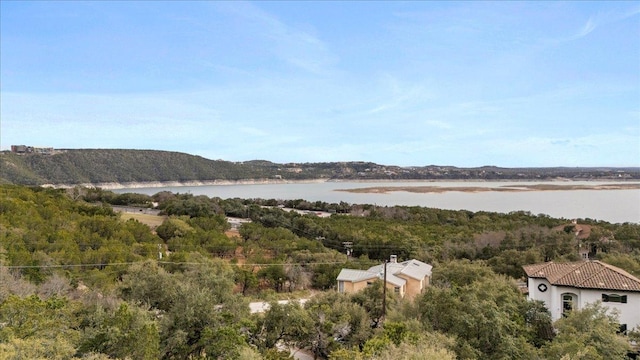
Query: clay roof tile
584	274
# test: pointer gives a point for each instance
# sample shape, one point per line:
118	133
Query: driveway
262	306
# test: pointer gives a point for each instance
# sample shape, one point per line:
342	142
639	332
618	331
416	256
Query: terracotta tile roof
584	274
581	231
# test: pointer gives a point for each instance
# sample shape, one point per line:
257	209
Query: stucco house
567	286
407	278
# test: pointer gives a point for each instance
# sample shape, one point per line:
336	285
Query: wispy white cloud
602	18
394	94
588	27
296	47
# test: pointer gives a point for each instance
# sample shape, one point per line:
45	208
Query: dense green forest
99	166
78	280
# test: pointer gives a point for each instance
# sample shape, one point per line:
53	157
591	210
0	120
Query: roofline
579	264
618	270
608	266
592	288
373	276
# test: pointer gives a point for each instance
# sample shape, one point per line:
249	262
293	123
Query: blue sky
398	83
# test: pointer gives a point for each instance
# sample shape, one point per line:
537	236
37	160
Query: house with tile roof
407	279
567	286
587	247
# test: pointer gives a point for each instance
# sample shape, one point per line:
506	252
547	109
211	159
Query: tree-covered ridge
99	166
77	281
121	166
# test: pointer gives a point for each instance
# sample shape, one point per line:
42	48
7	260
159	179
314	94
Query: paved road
262	306
301	354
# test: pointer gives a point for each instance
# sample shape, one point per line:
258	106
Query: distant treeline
97	166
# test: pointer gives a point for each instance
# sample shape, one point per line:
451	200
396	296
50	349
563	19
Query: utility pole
348	245
384	292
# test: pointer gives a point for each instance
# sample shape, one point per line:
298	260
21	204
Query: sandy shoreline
160	184
504	188
523	185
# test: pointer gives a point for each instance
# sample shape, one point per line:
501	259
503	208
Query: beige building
406	279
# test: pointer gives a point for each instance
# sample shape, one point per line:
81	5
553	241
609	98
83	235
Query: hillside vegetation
98	166
104	166
79	282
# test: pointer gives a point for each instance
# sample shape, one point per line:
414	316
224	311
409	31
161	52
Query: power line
63	266
53	266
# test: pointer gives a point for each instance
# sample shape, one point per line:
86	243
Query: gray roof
394	280
416	269
362	275
412	268
355	275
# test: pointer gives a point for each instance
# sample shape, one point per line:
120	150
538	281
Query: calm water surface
615	206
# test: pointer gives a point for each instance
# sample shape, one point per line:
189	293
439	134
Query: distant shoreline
610	184
504	188
160	184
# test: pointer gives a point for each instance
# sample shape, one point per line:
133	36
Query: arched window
569	302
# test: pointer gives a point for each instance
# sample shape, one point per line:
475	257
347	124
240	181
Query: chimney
393	259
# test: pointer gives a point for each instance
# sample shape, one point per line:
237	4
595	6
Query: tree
288	324
207	312
589	333
32	317
36	348
538	322
370	298
246	279
483	312
337	322
151	285
416	350
460	273
426	346
33	328
324	275
274	275
129	332
173	227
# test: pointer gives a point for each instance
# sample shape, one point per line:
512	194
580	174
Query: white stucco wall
628	313
536	294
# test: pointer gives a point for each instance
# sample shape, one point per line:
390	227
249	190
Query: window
396	290
614	298
568	303
622	329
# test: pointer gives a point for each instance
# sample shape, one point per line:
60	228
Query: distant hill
97	166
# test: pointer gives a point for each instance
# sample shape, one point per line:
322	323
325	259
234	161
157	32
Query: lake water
616	206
